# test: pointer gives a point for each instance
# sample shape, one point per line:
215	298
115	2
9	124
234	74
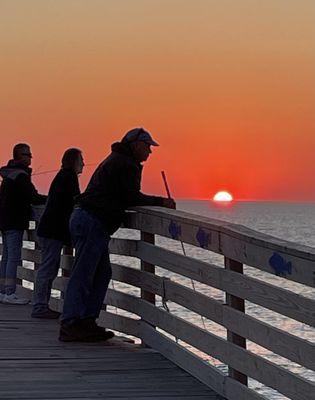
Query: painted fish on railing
175	230
203	238
280	265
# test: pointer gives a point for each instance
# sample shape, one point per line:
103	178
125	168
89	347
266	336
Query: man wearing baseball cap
99	212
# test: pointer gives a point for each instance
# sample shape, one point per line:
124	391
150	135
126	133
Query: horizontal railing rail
152	300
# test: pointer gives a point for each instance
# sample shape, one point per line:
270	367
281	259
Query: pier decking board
35	365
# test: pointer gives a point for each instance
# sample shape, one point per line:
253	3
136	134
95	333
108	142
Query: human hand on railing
169	203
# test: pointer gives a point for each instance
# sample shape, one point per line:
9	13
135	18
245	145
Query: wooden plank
124	247
204	372
235	230
109	384
112	361
174	227
264	294
234	241
273	261
121	273
31	255
37	247
30	235
26	274
66	262
144	280
119	323
280	342
24	292
240	359
92	396
65	272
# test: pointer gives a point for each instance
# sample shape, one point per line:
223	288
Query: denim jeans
91	271
47	272
12	241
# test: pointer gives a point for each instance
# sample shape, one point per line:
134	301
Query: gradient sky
227	87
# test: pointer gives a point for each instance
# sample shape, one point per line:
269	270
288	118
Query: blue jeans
91	271
47	272
12	241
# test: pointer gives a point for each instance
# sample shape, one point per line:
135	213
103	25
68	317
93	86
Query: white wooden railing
157	326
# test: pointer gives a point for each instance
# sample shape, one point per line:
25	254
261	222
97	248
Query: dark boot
48	314
83	330
99	330
74	332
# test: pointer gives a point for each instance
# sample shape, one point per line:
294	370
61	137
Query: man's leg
90	243
14	239
101	281
3	265
47	272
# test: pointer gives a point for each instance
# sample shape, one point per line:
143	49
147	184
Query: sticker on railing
175	230
203	238
280	265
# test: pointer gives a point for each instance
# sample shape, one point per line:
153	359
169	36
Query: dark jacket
54	223
17	193
115	186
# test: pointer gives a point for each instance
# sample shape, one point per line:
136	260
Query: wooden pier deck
35	365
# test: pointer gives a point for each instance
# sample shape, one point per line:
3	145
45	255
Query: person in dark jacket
53	229
17	194
99	211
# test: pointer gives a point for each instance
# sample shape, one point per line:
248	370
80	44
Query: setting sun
223	196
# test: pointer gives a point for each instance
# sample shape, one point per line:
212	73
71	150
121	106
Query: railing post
238	304
67	251
36	244
35	218
145	266
29	237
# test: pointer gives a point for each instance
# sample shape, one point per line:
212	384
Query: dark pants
47	272
91	271
12	242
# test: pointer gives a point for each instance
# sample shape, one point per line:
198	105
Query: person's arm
131	183
29	192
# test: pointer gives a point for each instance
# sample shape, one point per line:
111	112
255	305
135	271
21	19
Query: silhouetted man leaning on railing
99	211
17	193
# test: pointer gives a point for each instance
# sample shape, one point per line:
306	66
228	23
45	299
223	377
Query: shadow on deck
35	365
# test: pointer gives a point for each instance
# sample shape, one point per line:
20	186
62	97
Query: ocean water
290	221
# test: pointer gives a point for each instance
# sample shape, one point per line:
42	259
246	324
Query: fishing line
183	247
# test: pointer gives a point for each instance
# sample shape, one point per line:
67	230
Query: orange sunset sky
227	87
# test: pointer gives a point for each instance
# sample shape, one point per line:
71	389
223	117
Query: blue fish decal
279	264
175	230
203	238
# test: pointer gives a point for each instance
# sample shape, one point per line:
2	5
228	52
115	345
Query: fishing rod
166	185
181	242
56	170
169	196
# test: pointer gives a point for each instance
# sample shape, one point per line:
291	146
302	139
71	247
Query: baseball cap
138	134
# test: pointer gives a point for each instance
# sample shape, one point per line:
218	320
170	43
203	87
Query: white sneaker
14	299
2	297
